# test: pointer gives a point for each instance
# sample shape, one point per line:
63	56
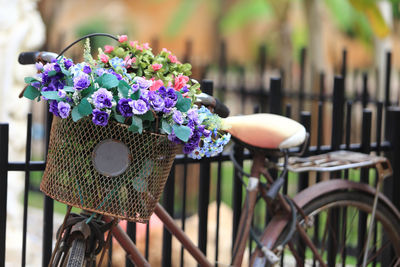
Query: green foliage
182	132
31	92
93	25
185	10
243	12
52	95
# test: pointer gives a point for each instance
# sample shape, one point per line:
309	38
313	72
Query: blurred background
238	44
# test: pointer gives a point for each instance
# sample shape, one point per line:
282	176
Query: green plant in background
94	25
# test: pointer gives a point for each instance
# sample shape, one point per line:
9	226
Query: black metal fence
381	120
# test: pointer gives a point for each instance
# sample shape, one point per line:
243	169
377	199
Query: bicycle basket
71	176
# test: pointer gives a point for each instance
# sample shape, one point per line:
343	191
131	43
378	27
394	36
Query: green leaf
108	81
119	118
136	95
76	116
53	95
85	108
178	20
51	73
184	104
123	88
31	92
182	132
166	126
148	116
65	72
137	125
30	79
87	92
69	89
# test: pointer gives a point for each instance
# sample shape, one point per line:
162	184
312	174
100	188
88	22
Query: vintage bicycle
303	227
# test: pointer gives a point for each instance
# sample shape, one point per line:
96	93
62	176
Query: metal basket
76	177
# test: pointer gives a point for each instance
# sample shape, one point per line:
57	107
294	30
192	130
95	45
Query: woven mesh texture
70	176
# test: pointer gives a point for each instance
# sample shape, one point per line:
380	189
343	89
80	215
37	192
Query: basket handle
84	37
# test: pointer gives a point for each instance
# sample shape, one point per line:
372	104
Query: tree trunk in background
315	52
383	45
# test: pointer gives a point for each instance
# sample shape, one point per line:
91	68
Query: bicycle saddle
267	131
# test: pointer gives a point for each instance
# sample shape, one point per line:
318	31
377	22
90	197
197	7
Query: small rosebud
108	48
104	58
122	38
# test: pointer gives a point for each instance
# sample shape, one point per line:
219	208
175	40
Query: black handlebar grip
221	109
26	58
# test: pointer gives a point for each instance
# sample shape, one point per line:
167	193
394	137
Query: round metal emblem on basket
111	157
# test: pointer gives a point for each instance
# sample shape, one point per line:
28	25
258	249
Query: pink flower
173	58
133	43
156	85
180	82
122	38
134	60
104	58
166	50
139	47
156	66
146	46
108	48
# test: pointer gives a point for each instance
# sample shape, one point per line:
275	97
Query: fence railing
385	128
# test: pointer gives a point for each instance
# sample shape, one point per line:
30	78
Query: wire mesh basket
108	170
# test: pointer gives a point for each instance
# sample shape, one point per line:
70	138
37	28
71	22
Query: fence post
3	190
204	187
168	203
393	133
302	79
275	97
388	72
337	113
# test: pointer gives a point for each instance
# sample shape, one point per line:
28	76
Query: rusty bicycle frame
334	161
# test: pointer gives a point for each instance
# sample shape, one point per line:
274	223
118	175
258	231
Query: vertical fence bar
237	193
3	190
393	115
337	113
302	74
26	187
336	139
204	188
218	199
364	178
168	203
388	72
223	69
305	120
48	210
183	220
275	98
131	231
365	94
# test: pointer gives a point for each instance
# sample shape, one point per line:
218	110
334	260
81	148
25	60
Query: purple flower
171	94
135	87
102	98
39	66
68	63
139	107
100	117
173	138
81	82
53	107
158	103
162	91
57	67
63	109
193	115
143	83
87	69
124	107
177	117
62	93
184	89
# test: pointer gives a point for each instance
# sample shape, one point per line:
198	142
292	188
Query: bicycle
81	237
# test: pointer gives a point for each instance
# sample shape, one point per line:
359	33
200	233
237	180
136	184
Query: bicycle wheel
77	253
336	230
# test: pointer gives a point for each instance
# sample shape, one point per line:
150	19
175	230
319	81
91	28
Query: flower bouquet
143	102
